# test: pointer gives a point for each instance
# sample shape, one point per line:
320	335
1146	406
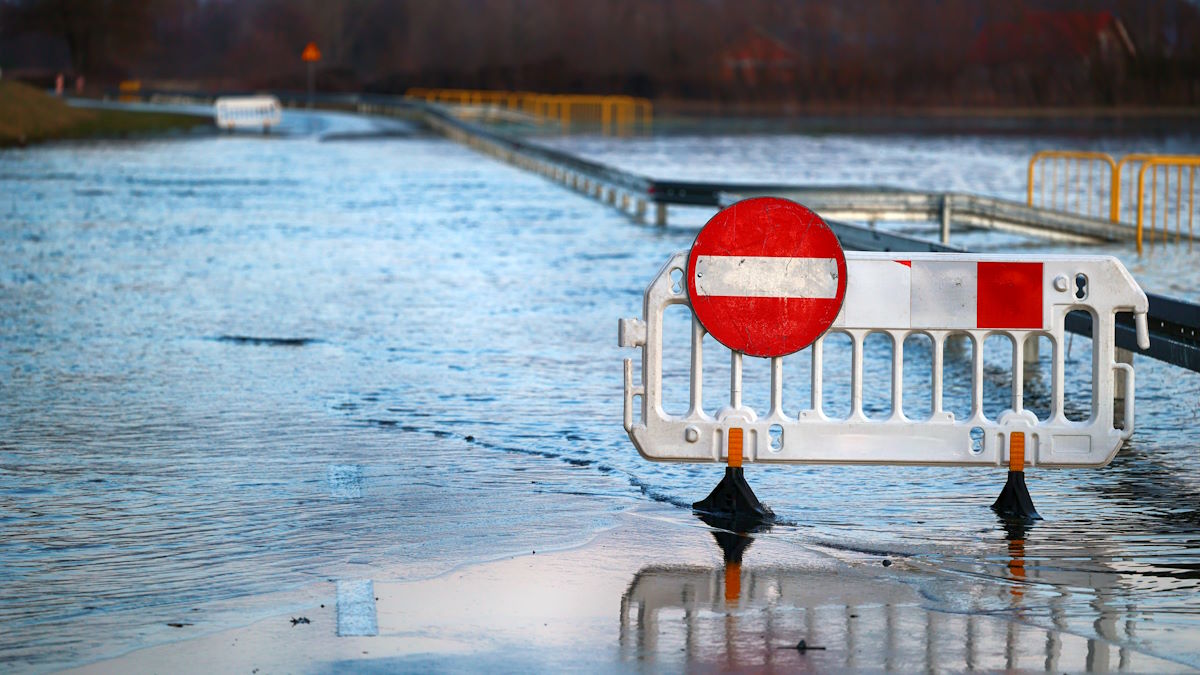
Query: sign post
311	55
766	277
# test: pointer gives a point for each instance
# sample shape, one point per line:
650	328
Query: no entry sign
766	277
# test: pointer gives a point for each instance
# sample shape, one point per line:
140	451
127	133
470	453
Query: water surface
235	365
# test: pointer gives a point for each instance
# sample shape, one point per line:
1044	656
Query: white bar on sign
877	295
763	277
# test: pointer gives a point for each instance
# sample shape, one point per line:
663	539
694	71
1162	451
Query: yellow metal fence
1077	182
1170	209
609	114
1138	189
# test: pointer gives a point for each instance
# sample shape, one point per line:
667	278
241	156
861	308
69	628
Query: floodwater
234	365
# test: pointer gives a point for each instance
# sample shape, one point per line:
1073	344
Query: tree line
808	52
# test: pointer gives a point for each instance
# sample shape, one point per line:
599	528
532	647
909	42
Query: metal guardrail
1174	324
948	208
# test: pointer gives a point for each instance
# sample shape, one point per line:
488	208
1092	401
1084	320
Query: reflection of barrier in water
1022	299
739	615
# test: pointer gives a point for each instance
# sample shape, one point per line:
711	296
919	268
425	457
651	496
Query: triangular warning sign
311	53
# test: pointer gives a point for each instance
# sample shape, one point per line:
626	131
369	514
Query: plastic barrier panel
255	112
946	297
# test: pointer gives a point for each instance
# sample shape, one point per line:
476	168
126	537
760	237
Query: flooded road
233	366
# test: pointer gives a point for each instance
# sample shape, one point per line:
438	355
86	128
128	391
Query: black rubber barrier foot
733	499
1014	501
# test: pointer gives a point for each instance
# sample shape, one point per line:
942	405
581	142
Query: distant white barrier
241	112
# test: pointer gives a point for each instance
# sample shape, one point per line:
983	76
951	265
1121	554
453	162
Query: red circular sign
766	277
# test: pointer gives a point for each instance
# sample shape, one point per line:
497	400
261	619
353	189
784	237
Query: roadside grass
28	115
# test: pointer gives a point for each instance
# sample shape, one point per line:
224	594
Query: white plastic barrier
939	295
253	112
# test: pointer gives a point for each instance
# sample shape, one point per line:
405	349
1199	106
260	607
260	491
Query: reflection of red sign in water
766	277
311	53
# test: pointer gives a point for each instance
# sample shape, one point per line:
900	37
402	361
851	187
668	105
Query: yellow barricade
1125	207
611	114
1068	180
131	91
1097	198
1157	165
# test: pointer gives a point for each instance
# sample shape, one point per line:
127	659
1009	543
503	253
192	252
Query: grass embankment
29	116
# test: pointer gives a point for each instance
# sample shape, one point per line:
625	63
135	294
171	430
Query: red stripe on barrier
1009	295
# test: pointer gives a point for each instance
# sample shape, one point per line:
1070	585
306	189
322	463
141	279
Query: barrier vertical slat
1166	203
1178	200
856	374
1042	165
1029	179
1191	202
1103	348
897	377
818	376
1078	182
1141	194
1057	362
1018	374
735	380
939	342
629	394
1153	202
696	391
652	367
1090	165
776	387
1053	182
976	376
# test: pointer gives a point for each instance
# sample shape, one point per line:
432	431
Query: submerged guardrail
1174	324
